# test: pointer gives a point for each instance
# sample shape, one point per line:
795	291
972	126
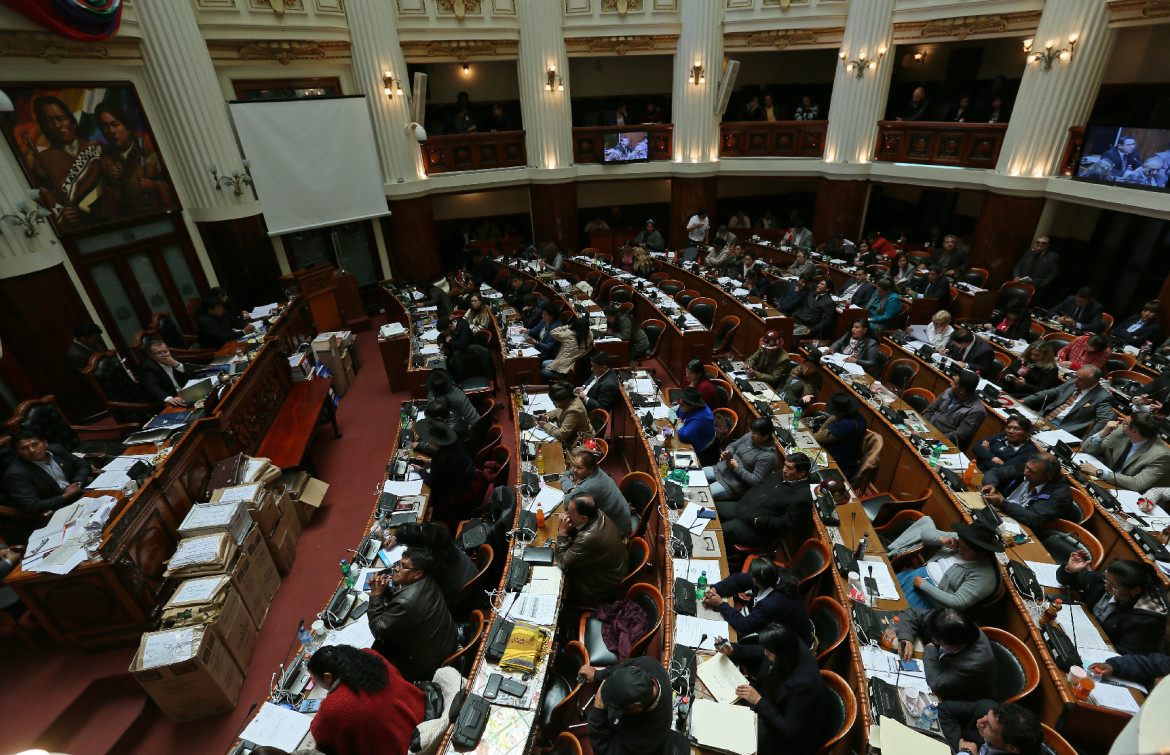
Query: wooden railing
772	138
588	141
964	145
1072	153
491	149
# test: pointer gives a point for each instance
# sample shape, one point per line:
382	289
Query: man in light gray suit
584	477
957	656
1134	458
1075	405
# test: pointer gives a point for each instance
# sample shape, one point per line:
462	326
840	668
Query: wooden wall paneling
414	246
1004	232
38	312
554	212
687	195
840	208
244	259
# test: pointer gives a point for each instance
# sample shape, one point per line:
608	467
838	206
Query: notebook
724	728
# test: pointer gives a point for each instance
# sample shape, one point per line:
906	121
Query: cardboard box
341	365
204	682
282	547
311	499
326	343
213	601
201	555
204	518
288	511
263	507
254	576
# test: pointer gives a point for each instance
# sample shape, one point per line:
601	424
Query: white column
194	116
373	28
547	115
1051	101
858	102
696	126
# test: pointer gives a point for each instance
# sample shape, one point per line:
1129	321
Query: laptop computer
196	392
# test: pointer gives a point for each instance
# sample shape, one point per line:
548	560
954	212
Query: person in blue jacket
1145	669
776	597
697	421
541	334
884	308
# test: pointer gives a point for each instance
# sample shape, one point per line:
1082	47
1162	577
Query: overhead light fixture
1050	55
29	215
859	66
553	79
237	180
466	69
392	86
697	74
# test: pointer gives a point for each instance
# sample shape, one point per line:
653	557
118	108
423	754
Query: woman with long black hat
842	433
960	574
450	473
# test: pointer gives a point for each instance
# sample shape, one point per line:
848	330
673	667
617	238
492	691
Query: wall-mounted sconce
697	74
29	215
237	180
920	57
554	80
1050	56
392	85
466	69
858	67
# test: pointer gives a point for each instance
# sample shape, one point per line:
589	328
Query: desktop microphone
853	525
871	584
296	639
244	723
695	660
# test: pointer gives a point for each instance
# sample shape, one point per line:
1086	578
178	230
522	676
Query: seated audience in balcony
597	224
650	237
768	221
1035	371
769	108
998	111
963	111
917	108
499	120
1137	329
751	109
739	220
798	236
464	121
1084	351
653	113
807	111
618	116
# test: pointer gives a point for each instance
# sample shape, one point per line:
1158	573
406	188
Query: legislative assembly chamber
625	377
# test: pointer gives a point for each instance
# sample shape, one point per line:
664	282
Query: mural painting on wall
90	152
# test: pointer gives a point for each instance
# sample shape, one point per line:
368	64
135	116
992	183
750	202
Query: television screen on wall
1131	157
626	146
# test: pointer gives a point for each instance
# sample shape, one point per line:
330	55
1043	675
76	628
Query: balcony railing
588	141
1072	153
772	138
491	149
963	145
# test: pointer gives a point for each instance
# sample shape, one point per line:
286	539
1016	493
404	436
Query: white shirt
735	222
170	371
939	340
1080	395
698	234
51	466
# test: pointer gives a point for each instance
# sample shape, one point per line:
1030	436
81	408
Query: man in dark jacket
859	291
43	478
410	622
1081	310
814	315
87	341
781	503
632	709
621	324
590	551
1146	670
213	327
956	656
950	258
454	342
796	294
162	376
1003	727
971	353
957	412
934	285
1032	493
1039	266
603	389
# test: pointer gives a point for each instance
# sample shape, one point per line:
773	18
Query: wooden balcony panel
457	152
964	145
772	138
588	145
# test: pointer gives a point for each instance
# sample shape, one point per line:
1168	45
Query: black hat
629	686
814	356
439	382
435	433
841	404
692	397
968	381
978	534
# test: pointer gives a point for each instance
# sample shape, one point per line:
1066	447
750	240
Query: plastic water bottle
935	453
347	574
928	717
796	412
306	639
540	461
701	590
539	517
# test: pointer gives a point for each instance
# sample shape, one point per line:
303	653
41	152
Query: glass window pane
176	262
149	283
355	252
125	236
308	248
114	295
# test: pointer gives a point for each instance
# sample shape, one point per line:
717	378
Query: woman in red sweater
370	709
698	376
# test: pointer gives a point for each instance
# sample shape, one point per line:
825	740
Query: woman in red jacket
370	708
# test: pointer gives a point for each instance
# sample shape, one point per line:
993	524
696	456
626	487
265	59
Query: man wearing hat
650	237
957	413
463	415
449	472
745	462
779	504
590	549
603	389
770	362
803	383
697	421
962	572
631	711
842	433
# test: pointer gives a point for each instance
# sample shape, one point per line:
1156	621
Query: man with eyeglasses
408	617
1135	458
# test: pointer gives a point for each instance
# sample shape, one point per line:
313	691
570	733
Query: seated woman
1126	598
788	694
569	422
553	259
885	307
865	256
621	324
369	708
962	572
1035	371
454	568
775	598
857	345
842	433
902	270
1142	327
478	316
698	377
940	330
1012	446
575	339
644	265
625	259
1013	322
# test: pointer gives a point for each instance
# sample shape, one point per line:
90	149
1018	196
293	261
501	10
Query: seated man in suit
956	656
859	290
161	375
454	341
1008	448
984	727
960	574
958	412
1137	329
744	463
814	315
802	265
43	478
590	549
857	345
409	619
949	258
1134	458
1075	405
935	285
971	352
213	326
780	503
792	299
87	341
1032	493
603	389
584	477
1080	310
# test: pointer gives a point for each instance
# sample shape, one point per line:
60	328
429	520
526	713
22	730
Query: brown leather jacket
594	561
413	629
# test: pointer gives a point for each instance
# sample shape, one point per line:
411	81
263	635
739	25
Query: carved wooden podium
318	286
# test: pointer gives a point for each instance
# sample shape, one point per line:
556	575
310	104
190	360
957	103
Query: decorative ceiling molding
621	45
754	40
283	52
1139	10
54	48
459	8
461	49
785	3
621	7
966	26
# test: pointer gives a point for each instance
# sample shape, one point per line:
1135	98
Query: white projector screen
313	161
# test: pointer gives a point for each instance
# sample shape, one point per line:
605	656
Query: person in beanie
631	711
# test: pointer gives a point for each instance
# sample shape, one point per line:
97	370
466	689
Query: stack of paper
721	678
726	728
277	727
548	499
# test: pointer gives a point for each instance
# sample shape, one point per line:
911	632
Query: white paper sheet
278	727
108	481
887	585
197	590
687	519
122	463
538	403
533	608
1050	437
725	728
165	648
721	677
264	311
536	435
399	488
545	580
1110	696
549	499
1045	573
196	550
886	666
1080	628
239	493
688	630
957	461
355	634
697	479
698	566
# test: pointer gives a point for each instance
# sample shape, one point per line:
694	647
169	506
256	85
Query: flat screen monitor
626	146
1137	158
